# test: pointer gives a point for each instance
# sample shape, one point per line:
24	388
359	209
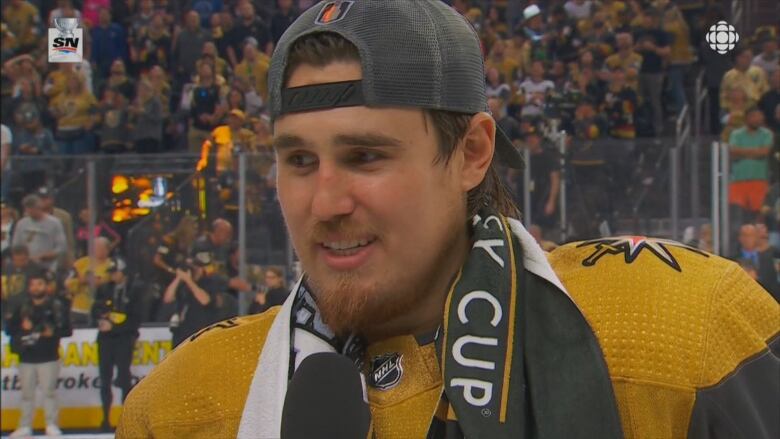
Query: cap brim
506	153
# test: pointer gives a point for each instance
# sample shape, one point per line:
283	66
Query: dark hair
321	49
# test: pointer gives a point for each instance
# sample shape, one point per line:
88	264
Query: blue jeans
84	144
676	76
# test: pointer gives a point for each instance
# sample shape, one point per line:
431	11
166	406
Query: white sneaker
22	432
53	430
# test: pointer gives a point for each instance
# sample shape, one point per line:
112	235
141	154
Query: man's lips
344	255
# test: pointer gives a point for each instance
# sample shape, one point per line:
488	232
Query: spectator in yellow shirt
210	53
499	60
254	68
681	56
626	59
75	111
750	78
23	20
85	278
225	141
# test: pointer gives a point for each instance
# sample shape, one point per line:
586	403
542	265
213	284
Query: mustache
345	229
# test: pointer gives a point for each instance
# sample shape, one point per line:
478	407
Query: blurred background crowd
153	155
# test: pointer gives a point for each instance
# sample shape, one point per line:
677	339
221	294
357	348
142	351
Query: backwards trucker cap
414	53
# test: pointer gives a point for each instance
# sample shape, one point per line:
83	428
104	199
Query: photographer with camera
199	296
35	328
117	311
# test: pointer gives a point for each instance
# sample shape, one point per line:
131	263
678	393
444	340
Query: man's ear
478	147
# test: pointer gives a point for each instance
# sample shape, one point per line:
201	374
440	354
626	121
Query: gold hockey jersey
691	344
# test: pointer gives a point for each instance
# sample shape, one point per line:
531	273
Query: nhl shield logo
386	371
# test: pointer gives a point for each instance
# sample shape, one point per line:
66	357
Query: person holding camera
117	311
199	296
35	328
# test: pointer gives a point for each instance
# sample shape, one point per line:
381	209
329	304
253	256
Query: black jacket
121	305
31	346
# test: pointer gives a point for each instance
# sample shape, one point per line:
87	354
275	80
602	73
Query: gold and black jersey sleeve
691	342
199	390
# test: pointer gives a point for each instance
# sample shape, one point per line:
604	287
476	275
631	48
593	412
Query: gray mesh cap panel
417	53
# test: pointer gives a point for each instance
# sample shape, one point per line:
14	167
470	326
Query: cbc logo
722	37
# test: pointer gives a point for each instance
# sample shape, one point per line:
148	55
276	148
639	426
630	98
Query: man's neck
38	300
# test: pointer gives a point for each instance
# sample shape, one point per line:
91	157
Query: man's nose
333	193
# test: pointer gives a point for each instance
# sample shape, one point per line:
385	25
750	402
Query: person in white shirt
535	89
578	9
769	58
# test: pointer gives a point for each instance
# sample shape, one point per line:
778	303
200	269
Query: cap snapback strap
322	96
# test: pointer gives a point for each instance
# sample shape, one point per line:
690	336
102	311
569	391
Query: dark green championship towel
518	358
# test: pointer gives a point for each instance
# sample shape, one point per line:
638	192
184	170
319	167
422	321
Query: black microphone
325	400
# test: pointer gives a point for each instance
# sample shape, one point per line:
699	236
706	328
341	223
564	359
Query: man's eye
301	160
360	157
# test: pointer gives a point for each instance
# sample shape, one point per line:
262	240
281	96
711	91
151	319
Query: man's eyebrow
366	139
288	141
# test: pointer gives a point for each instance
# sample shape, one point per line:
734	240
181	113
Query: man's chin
359	307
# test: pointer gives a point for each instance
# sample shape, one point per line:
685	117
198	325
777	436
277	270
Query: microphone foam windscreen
325	400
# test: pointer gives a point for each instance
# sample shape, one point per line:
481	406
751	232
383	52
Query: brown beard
348	309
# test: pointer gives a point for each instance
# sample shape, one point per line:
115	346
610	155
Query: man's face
205	73
272	280
748	238
537	70
285	4
754	119
20	260
37	287
762	234
47	203
224	233
118	68
235	123
34	212
104	17
373	219
102	249
498	48
744	59
250	52
624	41
247	11
192	20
